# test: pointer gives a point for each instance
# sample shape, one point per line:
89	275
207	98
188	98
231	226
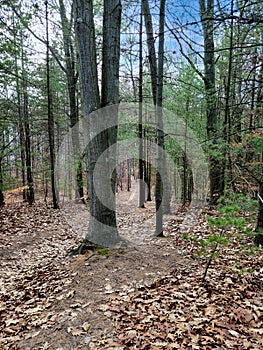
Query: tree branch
43	41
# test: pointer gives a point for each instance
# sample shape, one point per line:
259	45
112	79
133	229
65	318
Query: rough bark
102	225
71	75
151	47
140	127
160	162
51	136
30	196
87	63
20	124
215	170
105	142
159	101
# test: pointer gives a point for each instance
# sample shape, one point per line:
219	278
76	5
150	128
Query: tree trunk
160	162
215	170
2	201
140	128
50	120
157	91
30	195
102	225
228	127
128	174
166	185
151	47
20	122
259	228
72	94
22	145
87	62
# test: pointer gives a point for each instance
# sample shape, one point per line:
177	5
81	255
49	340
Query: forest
131	174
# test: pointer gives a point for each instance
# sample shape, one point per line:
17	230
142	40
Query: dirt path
50	301
147	296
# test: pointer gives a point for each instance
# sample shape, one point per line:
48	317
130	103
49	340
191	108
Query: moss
106	251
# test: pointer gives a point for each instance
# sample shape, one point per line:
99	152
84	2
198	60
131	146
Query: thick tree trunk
102	225
87	61
215	169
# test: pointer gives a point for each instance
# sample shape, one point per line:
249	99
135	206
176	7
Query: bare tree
102	225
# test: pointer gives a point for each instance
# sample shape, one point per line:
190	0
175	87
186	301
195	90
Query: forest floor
147	296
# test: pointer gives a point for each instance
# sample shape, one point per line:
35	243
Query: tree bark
140	128
20	116
157	92
87	61
72	94
215	170
259	228
30	195
50	119
160	165
2	200
102	225
159	101
151	47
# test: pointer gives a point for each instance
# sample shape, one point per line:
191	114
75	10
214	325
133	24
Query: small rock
87	340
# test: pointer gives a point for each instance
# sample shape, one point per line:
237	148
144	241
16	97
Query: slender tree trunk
259	228
160	162
140	128
166	184
147	163
22	148
128	174
151	47
260	83
227	128
157	91
30	196
2	201
50	119
72	93
20	120
30	191
149	181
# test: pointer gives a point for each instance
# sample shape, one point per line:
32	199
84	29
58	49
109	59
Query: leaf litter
148	296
